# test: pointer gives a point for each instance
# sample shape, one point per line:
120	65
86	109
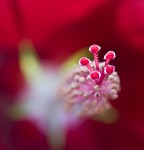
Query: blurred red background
57	29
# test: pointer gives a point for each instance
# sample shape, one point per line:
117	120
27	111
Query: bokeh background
57	29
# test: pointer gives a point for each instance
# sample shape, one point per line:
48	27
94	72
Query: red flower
57	29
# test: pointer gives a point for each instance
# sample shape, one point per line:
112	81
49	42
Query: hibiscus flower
58	29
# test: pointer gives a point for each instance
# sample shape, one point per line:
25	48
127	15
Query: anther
96	94
96	87
82	79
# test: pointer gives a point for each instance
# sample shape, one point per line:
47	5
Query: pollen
91	85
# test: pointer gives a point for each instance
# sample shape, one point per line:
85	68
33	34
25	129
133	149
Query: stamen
94	49
85	62
96	87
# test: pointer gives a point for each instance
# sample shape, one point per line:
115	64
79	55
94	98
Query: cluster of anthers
91	85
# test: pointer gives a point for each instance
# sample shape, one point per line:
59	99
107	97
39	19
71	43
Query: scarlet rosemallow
90	86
